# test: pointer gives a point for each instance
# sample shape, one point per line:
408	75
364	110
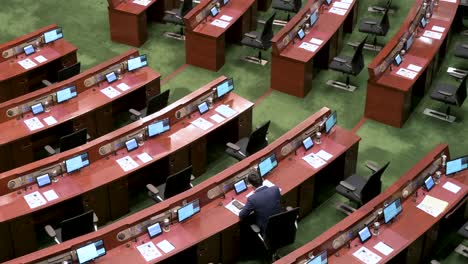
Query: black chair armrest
372	165
253	36
370	22
465	46
46	83
170	12
95	220
339	60
379	8
50	231
152	189
348	186
135	112
445	93
233	146
255	228
49	150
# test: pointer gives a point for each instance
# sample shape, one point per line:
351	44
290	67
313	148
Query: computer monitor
423	22
313	18
456	165
203	108
29	49
158	127
188	210
136	63
225	2
224	87
66	94
267	164
131	144
154	230
300	33
53	35
328	2
90	252
321	258
397	60
392	210
77	226
307	143
429	183
37	108
409	42
43	180
240	186
77	162
111	77
214	11
364	234
330	122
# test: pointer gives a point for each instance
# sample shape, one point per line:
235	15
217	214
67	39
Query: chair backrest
157	103
357	61
373	185
178	182
74	139
281	229
384	22
187	5
267	33
257	139
68	72
77	226
461	92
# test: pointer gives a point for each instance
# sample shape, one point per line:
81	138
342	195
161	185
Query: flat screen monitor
53	35
225	2
90	252
364	234
154	230
240	186
423	22
429	183
131	144
307	143
188	210
29	49
203	108
158	127
66	94
136	63
37	108
328	2
301	33
77	162
267	164
313	18
43	180
321	258
392	210
111	77
214	11
456	165
224	87
331	122
409	42
397	60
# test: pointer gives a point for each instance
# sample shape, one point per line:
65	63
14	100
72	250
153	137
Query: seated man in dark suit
264	202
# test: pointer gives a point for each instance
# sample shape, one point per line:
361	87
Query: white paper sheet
202	123
316	41
432	206
383	248
27	63
220	23
40	59
314	161
165	246
149	251
144	157
347	1
337	11
324	155
226	18
33	123
406	73
450	1
142	2
451	187
50	120
34	199
225	111
413	67
127	163
110	92
438	29
432	34
308	46
232	208
365	255
50	195
341	5
217	118
123	87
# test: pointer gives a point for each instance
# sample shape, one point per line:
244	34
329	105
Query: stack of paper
367	256
308	46
40	59
451	187
432	206
27	63
432	34
341	7
165	246
383	248
225	111
233	208
318	159
142	2
406	73
220	23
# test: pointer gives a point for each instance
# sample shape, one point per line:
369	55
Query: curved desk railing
394	91
212	235
44	63
405	235
24	135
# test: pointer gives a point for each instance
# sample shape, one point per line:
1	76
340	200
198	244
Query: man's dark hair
255	180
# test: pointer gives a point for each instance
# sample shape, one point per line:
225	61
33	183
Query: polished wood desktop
411	235
293	67
205	43
15	80
91	109
104	186
213	234
391	97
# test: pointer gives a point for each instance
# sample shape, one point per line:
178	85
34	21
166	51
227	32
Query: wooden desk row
411	236
16	80
392	97
213	234
91	109
104	186
293	67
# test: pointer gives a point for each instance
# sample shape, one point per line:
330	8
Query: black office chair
359	189
260	41
176	16
376	28
348	66
448	94
381	9
175	184
290	6
65	73
461	51
69	141
248	145
73	227
461	248
280	231
153	105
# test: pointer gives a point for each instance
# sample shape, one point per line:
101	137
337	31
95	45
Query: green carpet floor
85	24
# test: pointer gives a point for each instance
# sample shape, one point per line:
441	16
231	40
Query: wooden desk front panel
128	28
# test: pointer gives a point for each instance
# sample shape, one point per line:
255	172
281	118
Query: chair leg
447	112
181	32
260	56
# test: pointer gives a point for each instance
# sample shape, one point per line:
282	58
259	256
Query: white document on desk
450	1
40	59
432	34
226	18
217	118
110	92
27	63
50	195
314	161
383	248
220	23
406	73
432	206
34	199
225	111
233	208
347	1
33	123
308	46
413	67
50	120
202	123
451	187
149	251
144	157
438	29
365	255
324	155
337	11
165	246
341	5
127	163
123	87
142	2
316	41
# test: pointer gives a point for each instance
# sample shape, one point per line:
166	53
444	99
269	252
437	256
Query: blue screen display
77	162
203	108
224	88
43	180
158	127
37	108
267	165
392	210
53	35
313	18
330	123
29	50
364	234
456	165
240	186
66	94
154	230
188	210
307	143
136	63
319	259
131	144
111	77
214	11
300	34
90	252
429	183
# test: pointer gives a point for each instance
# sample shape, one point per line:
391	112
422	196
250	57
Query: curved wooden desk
91	108
15	80
414	232
391	97
292	67
213	235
